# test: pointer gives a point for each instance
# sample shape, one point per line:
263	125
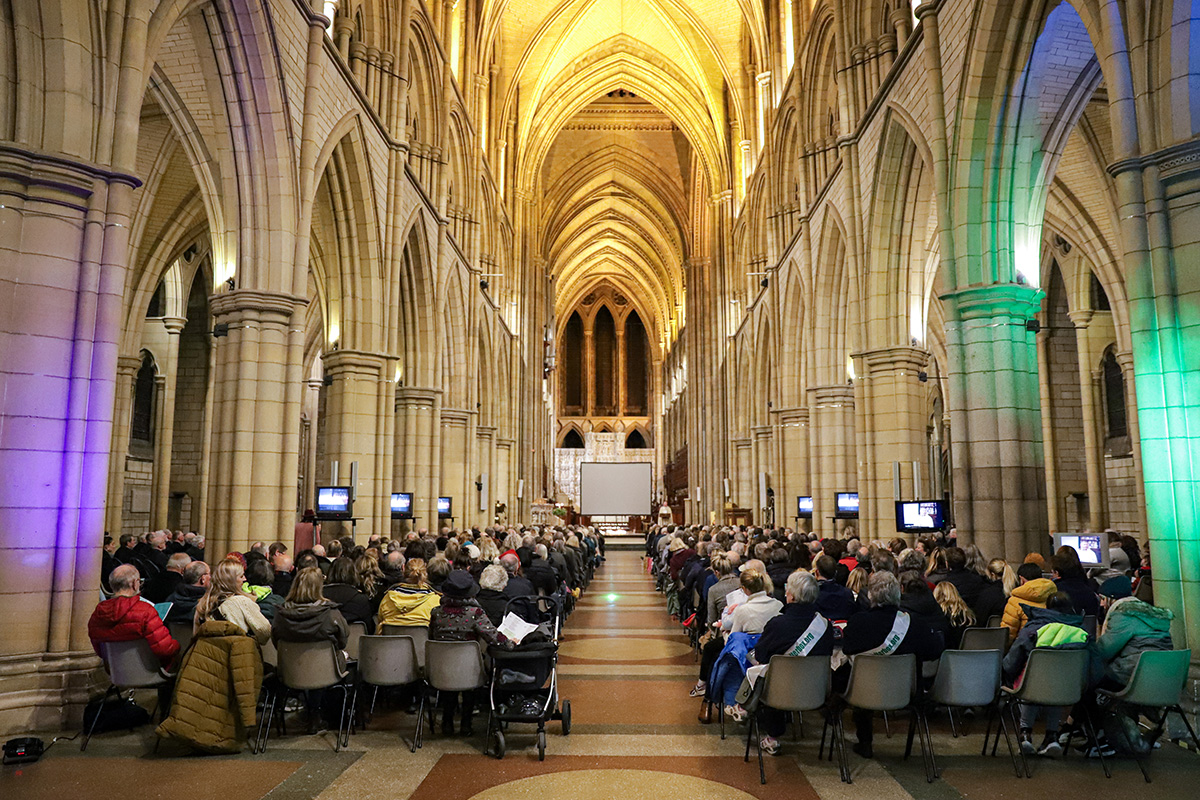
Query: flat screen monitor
1091	547
444	507
804	507
401	505
333	502
920	516
845	505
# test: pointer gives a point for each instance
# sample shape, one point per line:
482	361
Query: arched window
141	429
572	441
636	361
1114	397
572	367
604	342
635	441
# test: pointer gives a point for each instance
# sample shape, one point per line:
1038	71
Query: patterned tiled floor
626	669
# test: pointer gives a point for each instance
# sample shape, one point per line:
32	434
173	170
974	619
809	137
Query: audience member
342	590
124	617
188	593
158	588
227	599
259	576
1032	591
410	602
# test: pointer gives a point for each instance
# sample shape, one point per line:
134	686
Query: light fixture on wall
220	330
483	285
230	283
763	283
923	376
1033	326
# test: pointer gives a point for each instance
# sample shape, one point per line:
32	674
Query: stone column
1125	359
350	426
66	227
416	469
127	369
894	413
622	371
165	434
455	471
995	418
589	370
793	463
250	416
1048	438
308	492
831	411
1093	443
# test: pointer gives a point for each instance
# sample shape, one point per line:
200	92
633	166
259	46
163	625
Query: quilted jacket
217	689
126	619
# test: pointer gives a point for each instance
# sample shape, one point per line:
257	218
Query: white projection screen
616	490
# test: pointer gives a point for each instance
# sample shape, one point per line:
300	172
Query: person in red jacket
125	617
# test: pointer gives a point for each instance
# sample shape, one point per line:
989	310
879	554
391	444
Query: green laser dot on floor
612	598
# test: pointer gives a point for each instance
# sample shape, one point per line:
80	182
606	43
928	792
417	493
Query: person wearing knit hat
1116	587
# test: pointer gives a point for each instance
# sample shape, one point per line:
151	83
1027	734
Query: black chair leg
988	731
1179	710
416	742
95	719
1091	732
912	727
1016	726
933	771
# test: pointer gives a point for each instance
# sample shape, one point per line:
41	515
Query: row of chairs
964	679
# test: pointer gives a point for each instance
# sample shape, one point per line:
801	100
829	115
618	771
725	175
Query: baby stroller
524	685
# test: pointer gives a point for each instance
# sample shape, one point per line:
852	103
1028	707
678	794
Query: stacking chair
1157	680
357	631
1091	625
131	665
881	683
182	633
387	661
306	667
1052	678
995	621
449	667
418	633
792	683
970	679
984	639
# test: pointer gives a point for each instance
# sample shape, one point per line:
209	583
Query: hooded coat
1131	628
216	691
126	619
1046	628
1031	594
407	605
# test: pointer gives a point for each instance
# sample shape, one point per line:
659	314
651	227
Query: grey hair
177	561
122	577
493	577
540	550
194	572
883	589
802	586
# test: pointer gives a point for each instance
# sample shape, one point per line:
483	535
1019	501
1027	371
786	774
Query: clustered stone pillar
831	409
891	398
351	422
249	498
417	466
995	418
66	228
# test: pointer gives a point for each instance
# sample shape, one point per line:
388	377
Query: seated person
125	617
1069	577
958	613
1131	627
410	602
341	588
282	582
728	581
308	616
188	593
491	596
1032	591
748	617
259	576
834	600
919	602
162	584
518	585
1057	626
460	618
883	629
798	630
227	600
540	573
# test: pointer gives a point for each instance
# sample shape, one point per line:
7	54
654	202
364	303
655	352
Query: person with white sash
887	631
798	630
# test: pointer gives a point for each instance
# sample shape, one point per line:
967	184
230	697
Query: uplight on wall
335	333
1027	258
850	368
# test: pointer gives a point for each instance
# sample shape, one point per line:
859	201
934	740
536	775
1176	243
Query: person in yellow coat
1032	591
410	602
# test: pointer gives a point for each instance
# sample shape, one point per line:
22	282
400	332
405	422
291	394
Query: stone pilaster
351	424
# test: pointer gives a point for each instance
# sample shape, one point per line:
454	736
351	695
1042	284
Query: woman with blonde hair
369	577
227	600
957	612
857	581
489	553
307	615
411	601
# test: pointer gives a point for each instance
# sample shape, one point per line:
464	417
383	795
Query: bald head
510	562
125	580
178	561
